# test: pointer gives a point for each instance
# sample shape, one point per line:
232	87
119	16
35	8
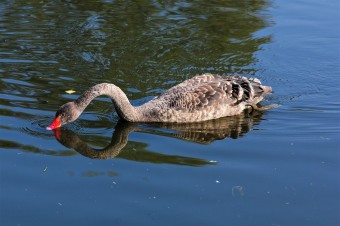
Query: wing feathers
210	90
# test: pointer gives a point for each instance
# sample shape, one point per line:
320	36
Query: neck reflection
201	132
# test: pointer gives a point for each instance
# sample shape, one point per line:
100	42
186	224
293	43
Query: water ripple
37	127
89	123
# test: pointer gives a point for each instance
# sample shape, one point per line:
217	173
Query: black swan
200	98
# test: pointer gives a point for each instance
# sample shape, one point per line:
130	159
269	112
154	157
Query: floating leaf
70	91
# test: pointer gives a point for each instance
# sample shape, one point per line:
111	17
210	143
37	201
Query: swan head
66	114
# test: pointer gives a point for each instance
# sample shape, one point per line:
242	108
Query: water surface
278	167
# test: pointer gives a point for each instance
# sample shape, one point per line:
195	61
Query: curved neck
120	101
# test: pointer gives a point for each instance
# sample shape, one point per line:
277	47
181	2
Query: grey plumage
200	98
205	97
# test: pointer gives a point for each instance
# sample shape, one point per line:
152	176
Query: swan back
203	98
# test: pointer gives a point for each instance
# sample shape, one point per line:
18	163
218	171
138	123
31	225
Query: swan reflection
208	131
200	132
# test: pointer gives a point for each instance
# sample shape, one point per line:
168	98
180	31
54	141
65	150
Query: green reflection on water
142	46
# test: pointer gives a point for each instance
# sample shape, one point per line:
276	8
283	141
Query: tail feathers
260	90
266	90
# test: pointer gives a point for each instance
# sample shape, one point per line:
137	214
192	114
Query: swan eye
59	114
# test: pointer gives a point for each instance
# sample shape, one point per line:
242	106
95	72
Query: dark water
279	167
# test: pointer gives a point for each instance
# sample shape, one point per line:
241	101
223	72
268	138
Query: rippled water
278	167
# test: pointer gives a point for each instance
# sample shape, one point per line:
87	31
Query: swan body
200	98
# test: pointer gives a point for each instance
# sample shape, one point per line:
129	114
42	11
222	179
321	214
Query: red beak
55	124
